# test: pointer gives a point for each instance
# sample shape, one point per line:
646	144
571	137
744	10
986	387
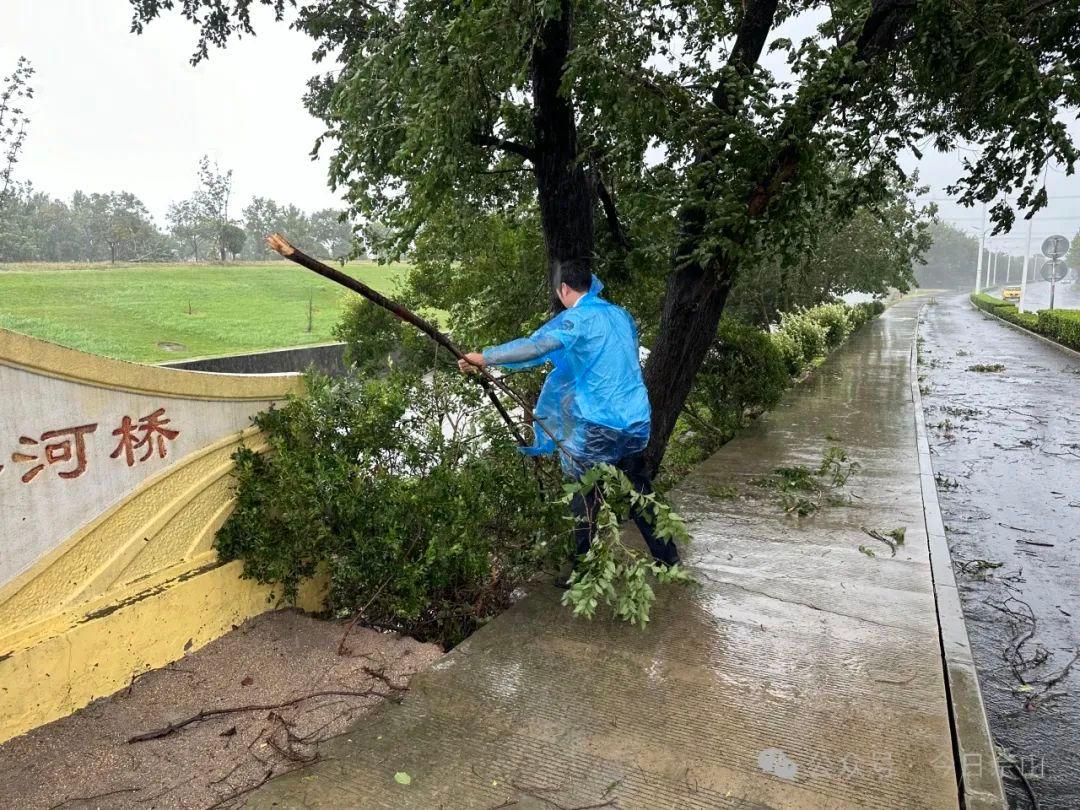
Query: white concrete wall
49	489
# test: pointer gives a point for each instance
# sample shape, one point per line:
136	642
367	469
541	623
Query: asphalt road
1006	451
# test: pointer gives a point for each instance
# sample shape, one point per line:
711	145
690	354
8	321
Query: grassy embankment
158	312
1060	325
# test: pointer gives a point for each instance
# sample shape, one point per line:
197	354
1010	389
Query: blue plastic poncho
594	399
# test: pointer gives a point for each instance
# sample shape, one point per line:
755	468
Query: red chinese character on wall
149	433
72	448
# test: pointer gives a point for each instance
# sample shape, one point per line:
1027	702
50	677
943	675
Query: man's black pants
584	508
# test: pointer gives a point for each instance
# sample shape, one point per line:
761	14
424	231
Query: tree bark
693	304
563	190
697	290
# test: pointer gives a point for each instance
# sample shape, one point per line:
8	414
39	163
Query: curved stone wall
114	478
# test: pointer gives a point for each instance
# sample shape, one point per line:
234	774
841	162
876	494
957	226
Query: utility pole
1008	268
982	241
993	271
1023	278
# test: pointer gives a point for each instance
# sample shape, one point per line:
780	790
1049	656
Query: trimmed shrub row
746	372
808	334
1060	325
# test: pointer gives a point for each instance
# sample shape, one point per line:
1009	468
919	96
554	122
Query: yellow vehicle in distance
1011	293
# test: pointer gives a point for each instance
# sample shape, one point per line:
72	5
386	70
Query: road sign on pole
1055	247
1053	270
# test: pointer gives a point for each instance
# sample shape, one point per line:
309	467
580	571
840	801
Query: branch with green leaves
613	573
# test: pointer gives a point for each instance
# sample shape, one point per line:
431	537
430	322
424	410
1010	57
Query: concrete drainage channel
978	777
329	358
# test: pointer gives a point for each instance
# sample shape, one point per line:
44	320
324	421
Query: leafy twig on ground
892	539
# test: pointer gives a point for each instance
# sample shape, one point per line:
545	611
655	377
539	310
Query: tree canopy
701	136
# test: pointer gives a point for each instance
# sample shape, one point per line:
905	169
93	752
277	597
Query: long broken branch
281	245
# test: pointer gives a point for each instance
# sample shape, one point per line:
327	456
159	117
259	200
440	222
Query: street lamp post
982	242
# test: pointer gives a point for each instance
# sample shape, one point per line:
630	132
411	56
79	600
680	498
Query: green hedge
747	370
835	319
743	370
808	334
1061	325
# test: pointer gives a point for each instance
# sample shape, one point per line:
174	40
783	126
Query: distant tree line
953	256
116	226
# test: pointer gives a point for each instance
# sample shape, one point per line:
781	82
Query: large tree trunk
697	291
693	304
564	193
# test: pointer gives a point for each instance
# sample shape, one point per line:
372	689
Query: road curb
973	746
1026	331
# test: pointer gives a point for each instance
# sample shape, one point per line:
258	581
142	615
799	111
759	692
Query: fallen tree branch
207	714
281	245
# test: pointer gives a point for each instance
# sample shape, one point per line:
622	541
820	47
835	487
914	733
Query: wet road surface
803	673
1006	451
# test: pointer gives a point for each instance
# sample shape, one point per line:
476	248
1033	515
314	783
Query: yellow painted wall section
135	583
94	652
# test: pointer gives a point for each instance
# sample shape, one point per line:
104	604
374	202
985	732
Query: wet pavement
803	673
1006	449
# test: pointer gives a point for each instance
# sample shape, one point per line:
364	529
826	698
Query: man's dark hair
575	277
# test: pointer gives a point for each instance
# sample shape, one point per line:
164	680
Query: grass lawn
195	310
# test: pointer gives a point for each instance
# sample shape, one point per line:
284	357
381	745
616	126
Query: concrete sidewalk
803	673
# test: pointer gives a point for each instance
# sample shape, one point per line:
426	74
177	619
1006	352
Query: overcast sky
116	111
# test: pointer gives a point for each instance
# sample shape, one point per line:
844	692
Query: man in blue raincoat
594	400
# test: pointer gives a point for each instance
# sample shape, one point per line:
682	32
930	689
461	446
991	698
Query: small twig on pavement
207	714
1027	785
95	796
879	536
1016	528
243	791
